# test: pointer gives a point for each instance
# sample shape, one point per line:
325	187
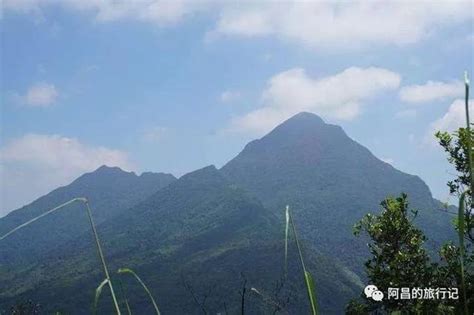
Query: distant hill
110	191
213	228
200	228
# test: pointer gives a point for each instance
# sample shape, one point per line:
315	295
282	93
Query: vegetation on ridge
398	257
213	228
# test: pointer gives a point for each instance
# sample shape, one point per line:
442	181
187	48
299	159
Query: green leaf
461	245
461	220
307	276
126	270
98	291
311	292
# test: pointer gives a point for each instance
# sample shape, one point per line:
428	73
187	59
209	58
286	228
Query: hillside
330	181
200	228
212	228
110	191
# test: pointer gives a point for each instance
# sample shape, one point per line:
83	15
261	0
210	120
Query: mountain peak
305	116
104	169
304	129
303	123
104	174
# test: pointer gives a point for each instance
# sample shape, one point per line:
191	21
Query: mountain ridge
330	181
215	223
110	190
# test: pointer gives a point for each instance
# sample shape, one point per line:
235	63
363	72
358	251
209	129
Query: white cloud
454	118
331	24
314	24
160	12
229	96
40	95
34	164
339	96
431	91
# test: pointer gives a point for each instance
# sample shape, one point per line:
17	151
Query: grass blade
126	270
287	227
94	231
98	292
462	198
468	129
101	255
40	216
461	221
461	245
311	292
310	287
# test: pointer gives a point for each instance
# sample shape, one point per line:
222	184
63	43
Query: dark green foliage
450	276
396	244
458	261
398	257
355	307
26	308
456	146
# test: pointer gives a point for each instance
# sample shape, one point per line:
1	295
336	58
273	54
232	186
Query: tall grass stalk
94	231
461	209
308	278
39	217
126	270
468	128
287	227
101	255
461	246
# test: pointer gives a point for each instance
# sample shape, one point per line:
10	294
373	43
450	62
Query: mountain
330	181
214	229
109	190
200	229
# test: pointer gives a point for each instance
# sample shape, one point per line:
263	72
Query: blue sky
173	86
